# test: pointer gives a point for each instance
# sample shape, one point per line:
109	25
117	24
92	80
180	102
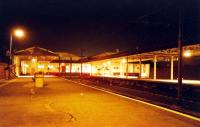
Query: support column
59	64
172	68
180	57
154	69
91	69
140	62
121	69
36	64
81	70
70	68
126	67
20	67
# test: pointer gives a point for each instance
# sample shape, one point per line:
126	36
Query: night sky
98	25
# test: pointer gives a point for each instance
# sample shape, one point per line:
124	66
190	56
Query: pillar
172	68
81	70
154	69
59	64
70	68
140	62
126	67
91	69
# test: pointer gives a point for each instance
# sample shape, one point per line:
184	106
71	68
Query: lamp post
19	33
180	56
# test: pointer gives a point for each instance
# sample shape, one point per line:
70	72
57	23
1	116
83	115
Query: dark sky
98	25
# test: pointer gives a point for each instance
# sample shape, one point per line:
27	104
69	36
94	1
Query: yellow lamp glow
33	60
123	60
26	65
187	54
50	66
19	33
41	66
108	62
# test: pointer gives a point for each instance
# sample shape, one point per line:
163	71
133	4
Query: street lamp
19	33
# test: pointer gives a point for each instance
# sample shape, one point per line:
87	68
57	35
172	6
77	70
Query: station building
161	64
36	59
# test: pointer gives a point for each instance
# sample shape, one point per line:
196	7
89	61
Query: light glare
187	54
19	33
33	60
123	60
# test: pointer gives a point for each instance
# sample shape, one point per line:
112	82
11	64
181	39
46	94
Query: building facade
36	59
161	64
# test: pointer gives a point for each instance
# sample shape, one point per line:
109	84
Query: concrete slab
63	103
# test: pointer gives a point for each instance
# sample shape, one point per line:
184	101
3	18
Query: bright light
62	64
108	62
123	61
41	66
87	68
187	54
33	60
26	65
19	33
50	66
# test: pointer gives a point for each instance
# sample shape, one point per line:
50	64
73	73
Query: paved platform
63	103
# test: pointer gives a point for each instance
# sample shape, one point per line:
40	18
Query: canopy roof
100	56
35	51
65	61
66	55
194	49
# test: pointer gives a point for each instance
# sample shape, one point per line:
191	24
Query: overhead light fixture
123	61
187	54
33	60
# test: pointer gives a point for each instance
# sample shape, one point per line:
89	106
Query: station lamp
18	33
187	54
34	60
123	61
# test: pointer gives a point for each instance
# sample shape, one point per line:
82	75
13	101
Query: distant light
33	60
50	66
123	61
104	64
187	54
41	66
19	33
108	62
26	65
62	64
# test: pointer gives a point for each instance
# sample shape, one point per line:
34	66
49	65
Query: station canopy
38	53
35	51
136	56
